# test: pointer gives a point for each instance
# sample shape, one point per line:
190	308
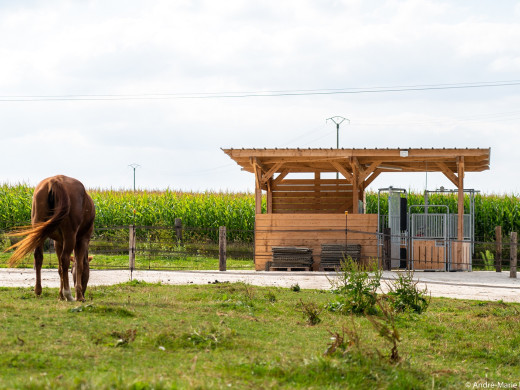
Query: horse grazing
63	211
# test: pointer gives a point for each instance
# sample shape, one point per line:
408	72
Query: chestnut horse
63	211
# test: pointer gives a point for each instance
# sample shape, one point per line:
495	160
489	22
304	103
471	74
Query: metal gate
429	240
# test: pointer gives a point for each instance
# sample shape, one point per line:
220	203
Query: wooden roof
391	160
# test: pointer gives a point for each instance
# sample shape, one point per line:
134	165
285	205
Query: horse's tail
58	204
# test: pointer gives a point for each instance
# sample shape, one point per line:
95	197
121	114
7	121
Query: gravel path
480	285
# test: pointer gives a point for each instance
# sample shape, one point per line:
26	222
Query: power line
239	95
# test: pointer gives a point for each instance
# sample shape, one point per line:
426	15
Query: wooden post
387	248
498	248
270	196
460	212
131	248
258	201
513	255
222	254
178	230
355	188
346	229
258	189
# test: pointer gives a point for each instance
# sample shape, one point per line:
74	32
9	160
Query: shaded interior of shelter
316	199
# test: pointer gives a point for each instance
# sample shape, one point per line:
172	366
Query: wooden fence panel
311	231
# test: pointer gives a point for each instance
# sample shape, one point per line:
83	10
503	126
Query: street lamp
338	120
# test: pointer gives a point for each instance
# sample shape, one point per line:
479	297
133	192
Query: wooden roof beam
448	173
372	177
341	169
280	177
370	169
269	174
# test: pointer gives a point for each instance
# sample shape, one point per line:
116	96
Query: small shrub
270	296
343	342
311	311
355	288
249	292
406	296
295	287
386	328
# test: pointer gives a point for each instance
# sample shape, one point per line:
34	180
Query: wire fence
171	248
159	248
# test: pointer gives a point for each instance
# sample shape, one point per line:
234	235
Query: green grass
142	262
143	336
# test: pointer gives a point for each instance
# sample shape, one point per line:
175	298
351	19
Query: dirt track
482	285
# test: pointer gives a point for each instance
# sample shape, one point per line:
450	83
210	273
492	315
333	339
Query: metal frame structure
452	221
439	230
393	221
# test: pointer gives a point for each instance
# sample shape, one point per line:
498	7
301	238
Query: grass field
144	336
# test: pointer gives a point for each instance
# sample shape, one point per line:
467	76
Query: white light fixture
390	168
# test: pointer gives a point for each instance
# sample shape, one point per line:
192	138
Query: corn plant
205	212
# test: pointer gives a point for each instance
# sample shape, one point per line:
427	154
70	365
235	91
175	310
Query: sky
89	87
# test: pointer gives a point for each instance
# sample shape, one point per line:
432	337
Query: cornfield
209	210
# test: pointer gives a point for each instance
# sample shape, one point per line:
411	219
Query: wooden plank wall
428	256
297	196
464	263
312	230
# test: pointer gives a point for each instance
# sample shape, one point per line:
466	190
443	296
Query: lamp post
338	120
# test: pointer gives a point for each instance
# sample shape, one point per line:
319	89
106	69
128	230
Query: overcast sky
89	87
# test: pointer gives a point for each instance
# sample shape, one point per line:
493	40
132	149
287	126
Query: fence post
222	255
513	255
131	248
178	230
498	248
387	261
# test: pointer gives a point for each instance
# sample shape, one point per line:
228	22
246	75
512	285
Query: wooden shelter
299	208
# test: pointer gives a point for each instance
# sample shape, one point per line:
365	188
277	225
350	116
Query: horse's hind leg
81	267
64	250
38	261
58	246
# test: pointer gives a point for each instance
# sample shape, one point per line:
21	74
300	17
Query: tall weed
405	295
355	286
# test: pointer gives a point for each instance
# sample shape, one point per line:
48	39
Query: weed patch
406	296
311	311
207	337
355	289
103	310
